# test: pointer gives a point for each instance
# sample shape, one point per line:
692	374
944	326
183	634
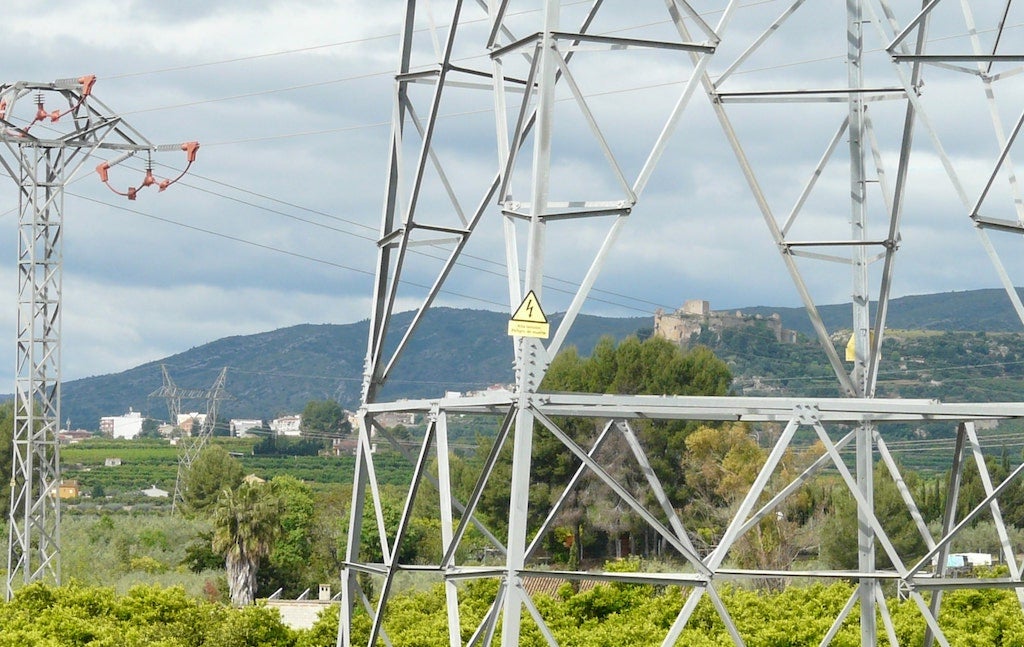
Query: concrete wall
299	614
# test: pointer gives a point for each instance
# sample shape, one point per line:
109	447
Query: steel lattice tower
42	152
535	76
194	444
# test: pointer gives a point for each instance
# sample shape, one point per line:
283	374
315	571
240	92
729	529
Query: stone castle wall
696	316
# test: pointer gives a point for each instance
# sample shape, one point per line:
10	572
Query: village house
69	490
69	437
127	426
241	428
287	425
191	423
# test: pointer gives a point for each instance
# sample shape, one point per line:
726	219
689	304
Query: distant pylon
190	446
173	394
42	155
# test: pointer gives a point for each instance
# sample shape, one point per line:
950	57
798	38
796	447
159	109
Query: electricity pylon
42	150
543	66
189	447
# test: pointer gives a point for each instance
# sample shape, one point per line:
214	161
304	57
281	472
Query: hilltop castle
696	316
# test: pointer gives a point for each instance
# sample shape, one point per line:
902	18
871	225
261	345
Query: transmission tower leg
34	532
518	509
350	590
861	320
530	351
866	538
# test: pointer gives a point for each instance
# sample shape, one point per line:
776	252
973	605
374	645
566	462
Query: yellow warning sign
851	347
529	319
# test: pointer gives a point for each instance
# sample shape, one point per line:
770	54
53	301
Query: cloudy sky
291	101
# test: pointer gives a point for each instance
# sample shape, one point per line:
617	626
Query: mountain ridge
278	371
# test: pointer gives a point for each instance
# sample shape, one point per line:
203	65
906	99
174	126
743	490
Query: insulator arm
190	148
105	166
86	83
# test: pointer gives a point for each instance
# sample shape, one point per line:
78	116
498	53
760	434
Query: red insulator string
190	148
55	115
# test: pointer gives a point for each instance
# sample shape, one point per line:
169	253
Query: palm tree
246	522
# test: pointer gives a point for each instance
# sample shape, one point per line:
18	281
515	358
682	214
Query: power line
415	251
365	39
378	73
339	265
356	41
253	57
339	219
250	95
374	230
361	271
227	236
352	41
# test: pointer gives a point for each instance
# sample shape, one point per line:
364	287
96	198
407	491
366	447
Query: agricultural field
149	462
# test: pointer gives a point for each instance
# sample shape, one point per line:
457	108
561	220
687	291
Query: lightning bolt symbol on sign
529	319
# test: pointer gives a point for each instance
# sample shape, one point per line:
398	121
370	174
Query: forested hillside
950	366
986	310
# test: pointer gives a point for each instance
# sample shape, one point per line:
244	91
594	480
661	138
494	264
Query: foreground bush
608	615
616	615
151	616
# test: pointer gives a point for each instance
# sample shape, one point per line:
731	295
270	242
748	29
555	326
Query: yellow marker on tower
529	319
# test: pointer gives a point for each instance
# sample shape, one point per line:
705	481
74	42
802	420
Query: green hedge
604	616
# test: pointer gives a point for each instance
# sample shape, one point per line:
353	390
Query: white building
191	423
167	430
156	493
127	426
240	428
67	437
287	425
968	560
